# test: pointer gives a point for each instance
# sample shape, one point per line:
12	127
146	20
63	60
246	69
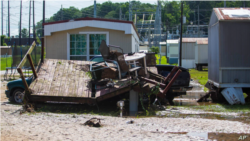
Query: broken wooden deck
70	81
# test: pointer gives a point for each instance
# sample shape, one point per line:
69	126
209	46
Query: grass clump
201	76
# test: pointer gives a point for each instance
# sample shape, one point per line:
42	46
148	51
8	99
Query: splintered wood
66	78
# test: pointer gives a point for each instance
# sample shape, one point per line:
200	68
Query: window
85	45
78	47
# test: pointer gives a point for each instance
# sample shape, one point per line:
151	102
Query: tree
3	40
110	15
24	33
171	11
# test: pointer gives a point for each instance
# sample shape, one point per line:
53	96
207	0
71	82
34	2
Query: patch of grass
221	108
5	62
163	59
201	76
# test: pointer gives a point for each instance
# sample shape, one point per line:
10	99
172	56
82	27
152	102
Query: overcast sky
52	6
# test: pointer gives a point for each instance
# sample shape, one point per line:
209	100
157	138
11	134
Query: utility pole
34	27
120	14
61	13
2	18
8	18
166	37
198	21
130	11
42	52
20	24
94	8
135	20
29	20
180	51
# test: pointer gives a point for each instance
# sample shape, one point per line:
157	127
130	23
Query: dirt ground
69	126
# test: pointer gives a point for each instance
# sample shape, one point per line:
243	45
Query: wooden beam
23	79
25	57
32	65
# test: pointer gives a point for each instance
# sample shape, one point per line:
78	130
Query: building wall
201	53
213	53
234	52
56	44
188	50
6	49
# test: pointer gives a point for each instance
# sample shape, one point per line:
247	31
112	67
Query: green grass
221	108
163	59
200	76
3	63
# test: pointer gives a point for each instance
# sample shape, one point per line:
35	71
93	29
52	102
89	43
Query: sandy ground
50	126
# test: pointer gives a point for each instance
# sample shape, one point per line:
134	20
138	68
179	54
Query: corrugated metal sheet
193	40
201	53
188	50
236	76
232	13
228	53
213	53
235	44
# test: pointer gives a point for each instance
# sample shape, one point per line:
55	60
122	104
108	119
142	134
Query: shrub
2	41
155	49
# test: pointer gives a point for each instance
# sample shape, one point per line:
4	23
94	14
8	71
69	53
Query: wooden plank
23	79
55	83
58	78
25	57
65	81
64	78
37	83
77	74
71	79
50	78
80	78
45	75
32	65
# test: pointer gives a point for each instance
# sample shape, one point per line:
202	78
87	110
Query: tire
17	95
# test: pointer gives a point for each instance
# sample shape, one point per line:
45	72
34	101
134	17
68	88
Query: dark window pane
72	44
72	51
81	52
72	37
82	58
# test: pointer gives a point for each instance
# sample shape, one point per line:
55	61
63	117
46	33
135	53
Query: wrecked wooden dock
70	81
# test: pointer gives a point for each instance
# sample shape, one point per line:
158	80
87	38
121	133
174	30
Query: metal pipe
2	17
94	8
180	52
34	28
8	18
171	82
42	52
20	24
29	20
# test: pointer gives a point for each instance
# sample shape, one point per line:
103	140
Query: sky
51	7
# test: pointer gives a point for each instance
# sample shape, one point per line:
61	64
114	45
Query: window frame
88	42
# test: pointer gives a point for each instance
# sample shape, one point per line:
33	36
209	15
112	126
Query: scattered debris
27	108
130	122
93	122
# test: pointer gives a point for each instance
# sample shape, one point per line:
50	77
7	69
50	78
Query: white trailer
201	53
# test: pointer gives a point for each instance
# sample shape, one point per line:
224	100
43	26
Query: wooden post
32	65
23	79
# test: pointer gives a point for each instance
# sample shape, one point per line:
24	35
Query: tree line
170	12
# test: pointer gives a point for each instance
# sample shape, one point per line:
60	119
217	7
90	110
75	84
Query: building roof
202	42
232	13
94	19
193	40
176	41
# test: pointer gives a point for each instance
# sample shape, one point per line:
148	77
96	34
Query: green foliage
3	40
201	76
24	33
155	49
5	62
